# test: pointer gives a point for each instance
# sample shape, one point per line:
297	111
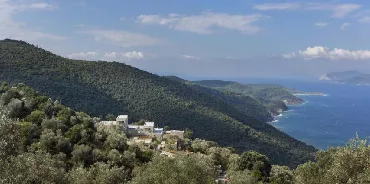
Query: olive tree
192	169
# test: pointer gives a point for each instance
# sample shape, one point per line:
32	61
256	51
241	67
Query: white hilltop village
144	134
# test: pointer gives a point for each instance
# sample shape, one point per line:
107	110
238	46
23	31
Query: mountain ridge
99	88
272	102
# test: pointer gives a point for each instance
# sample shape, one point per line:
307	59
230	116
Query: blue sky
213	39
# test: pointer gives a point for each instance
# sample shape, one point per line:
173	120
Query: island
347	77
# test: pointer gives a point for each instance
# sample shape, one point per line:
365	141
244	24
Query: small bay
324	121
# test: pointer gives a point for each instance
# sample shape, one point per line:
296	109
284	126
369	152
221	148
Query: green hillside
99	88
260	91
42	141
273	97
244	103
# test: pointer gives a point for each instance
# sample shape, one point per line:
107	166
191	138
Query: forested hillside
261	101
99	88
244	103
261	91
42	141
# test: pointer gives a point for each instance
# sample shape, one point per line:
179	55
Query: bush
99	173
36	117
192	169
82	155
36	167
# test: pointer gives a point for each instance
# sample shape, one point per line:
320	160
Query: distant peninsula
309	94
347	77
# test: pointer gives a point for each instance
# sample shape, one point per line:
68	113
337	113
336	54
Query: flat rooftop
123	116
149	124
174	131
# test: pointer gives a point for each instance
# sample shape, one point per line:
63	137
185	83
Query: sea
325	121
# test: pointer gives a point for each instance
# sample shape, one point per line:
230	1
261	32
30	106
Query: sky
204	39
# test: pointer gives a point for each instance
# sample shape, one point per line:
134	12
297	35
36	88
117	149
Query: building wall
179	134
159	136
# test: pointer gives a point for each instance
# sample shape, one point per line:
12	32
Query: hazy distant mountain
348	77
359	80
336	76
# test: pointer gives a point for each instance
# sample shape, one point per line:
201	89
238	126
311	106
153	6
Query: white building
171	133
146	130
121	122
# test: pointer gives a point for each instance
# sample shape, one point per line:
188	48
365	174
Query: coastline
310	94
343	83
277	117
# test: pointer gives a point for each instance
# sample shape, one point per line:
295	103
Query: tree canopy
51	143
103	88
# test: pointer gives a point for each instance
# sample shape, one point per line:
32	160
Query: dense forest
42	141
269	92
100	88
249	105
267	100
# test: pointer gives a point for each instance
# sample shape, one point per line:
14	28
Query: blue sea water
326	120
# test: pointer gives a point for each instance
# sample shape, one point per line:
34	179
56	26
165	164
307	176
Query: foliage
99	173
38	167
260	91
53	139
101	88
51	143
192	169
242	177
188	133
349	164
10	138
202	146
281	175
258	164
220	156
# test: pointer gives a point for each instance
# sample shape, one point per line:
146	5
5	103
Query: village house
142	133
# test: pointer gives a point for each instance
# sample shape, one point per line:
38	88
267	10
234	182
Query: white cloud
190	57
111	55
122	38
204	23
107	56
344	25
277	6
363	16
344	9
338	10
17	30
41	6
321	24
133	55
289	55
320	52
364	20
